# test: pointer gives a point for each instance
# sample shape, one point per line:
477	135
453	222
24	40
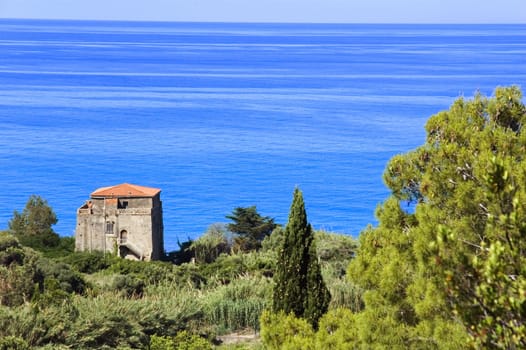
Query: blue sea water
223	115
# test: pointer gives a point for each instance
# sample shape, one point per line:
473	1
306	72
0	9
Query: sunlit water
227	115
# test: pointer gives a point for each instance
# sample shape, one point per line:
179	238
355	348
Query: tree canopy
250	227
33	227
456	264
299	288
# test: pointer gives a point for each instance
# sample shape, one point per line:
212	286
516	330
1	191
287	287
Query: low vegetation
52	297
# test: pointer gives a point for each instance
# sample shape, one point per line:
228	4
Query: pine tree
32	227
454	267
299	285
318	296
250	228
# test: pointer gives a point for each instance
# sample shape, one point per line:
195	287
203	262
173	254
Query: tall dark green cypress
299	286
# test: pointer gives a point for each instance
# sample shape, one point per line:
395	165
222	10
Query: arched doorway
123	236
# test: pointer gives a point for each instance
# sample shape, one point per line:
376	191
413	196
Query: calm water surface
226	115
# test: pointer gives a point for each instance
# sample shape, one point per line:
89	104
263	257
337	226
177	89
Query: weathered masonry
124	219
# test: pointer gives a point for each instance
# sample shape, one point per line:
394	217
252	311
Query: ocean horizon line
379	23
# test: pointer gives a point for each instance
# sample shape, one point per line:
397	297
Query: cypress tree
299	286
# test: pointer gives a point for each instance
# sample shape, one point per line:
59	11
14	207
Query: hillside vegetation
52	297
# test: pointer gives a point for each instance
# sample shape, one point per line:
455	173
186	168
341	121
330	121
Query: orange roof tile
125	190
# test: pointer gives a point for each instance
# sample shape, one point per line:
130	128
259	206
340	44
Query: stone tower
125	219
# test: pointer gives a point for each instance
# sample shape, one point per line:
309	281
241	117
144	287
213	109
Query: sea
226	115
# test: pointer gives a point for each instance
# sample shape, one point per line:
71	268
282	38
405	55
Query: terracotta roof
125	190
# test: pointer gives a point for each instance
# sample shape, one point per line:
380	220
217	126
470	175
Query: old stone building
124	219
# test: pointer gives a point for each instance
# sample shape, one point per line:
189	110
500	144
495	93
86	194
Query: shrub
182	341
69	280
150	272
13	343
8	241
286	332
188	275
161	343
187	341
225	268
90	262
209	246
19	272
128	286
238	305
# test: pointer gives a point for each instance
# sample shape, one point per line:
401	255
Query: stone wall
131	227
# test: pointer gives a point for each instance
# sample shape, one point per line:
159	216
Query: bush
274	241
187	341
211	245
182	341
13	343
189	275
8	241
90	262
238	305
53	294
150	272
225	268
335	247
69	280
161	343
286	332
19	273
128	286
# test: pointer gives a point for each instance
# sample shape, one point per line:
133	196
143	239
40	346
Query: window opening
109	227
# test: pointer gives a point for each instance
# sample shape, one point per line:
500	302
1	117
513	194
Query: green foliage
184	340
335	252
250	227
65	247
109	323
161	343
129	286
33	226
10	250
237	305
299	286
337	330
213	243
19	271
68	279
225	268
335	247
52	294
187	341
189	275
13	343
286	332
318	295
38	326
455	264
150	272
90	262
273	242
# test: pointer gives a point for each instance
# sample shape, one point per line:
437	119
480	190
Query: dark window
124	236
109	227
123	204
